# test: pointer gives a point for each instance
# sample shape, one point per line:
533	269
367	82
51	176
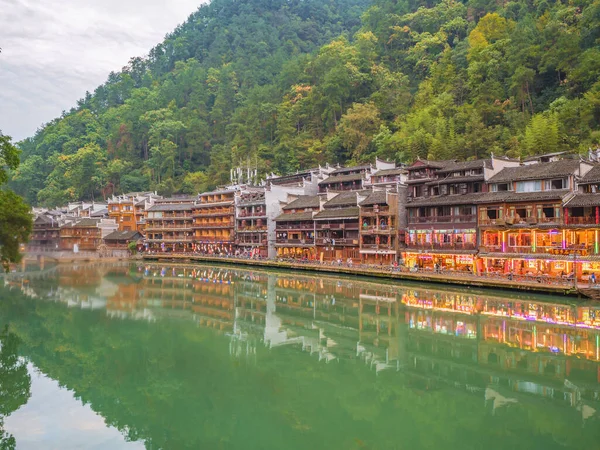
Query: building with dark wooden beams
295	228
251	223
45	235
336	227
214	222
524	220
170	225
379	227
442	211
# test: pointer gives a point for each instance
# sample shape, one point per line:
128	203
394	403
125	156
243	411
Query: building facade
170	226
214	222
295	228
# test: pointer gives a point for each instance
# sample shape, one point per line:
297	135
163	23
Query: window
529	186
501	187
559	183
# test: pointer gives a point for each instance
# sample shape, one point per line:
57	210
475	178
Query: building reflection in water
499	347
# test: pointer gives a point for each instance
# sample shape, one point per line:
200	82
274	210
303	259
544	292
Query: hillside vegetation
284	85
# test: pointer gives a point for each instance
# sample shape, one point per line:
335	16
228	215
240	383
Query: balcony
582	250
580	221
255	214
213	225
515	221
172	239
213	239
372	229
469	218
336	226
443	246
294	226
251	242
337	242
164	227
382	211
171	216
252	229
377	247
295	241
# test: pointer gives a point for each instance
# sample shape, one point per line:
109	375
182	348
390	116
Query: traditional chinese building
346	179
214	222
45	234
379	227
441	213
295	228
86	234
251	223
129	210
170	225
336	227
120	240
524	228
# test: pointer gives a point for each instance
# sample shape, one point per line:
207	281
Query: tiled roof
375	198
340	213
342	199
224	191
466	199
123	235
171	207
537	171
384	172
593	176
43	219
582	200
87	223
294	217
342	178
100	213
489	197
517	197
303	201
465	165
434	164
452	180
351	169
175	200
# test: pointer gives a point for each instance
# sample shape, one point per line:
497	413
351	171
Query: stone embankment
534	285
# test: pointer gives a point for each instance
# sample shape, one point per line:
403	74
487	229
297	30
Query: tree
15	218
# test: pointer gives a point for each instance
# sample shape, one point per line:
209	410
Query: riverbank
539	286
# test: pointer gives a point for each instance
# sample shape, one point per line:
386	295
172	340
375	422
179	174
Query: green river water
111	356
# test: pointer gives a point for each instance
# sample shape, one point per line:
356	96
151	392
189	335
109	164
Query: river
188	357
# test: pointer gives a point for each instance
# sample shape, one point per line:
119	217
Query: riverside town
536	219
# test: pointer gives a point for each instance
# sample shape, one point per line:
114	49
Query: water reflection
527	360
15	383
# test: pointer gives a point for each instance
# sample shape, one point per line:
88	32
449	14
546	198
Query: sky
53	51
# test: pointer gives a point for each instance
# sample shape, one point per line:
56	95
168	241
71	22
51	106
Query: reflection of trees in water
15	383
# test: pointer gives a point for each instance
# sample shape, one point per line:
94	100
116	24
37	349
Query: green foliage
15	218
287	85
15	226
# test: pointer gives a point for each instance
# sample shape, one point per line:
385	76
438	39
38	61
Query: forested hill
291	84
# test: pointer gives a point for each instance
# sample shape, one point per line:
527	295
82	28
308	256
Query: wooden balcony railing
295	241
468	218
443	246
294	226
521	221
335	242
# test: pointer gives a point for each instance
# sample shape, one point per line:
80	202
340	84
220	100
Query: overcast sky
55	50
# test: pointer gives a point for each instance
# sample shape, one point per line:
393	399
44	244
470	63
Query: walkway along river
560	286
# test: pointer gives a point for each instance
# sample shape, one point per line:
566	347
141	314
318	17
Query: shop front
306	253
